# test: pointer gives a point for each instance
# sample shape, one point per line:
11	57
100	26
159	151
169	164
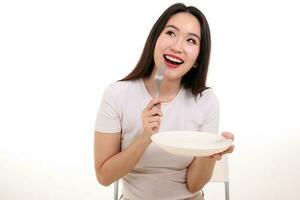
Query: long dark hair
195	78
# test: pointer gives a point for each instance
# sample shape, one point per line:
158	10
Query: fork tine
159	70
162	69
159	77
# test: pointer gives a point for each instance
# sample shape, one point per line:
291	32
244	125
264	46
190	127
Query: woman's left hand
226	135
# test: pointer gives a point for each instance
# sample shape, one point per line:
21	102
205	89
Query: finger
153	124
154	112
154	119
217	156
157	106
214	155
155	129
228	135
150	113
229	150
152	103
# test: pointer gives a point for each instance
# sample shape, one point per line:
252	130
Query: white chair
220	174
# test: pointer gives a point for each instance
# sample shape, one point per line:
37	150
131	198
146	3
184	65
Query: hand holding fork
152	114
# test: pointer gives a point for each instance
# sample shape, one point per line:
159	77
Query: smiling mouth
172	61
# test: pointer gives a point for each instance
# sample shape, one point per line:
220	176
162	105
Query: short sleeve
211	121
108	118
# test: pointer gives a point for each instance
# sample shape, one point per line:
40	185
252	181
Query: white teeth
174	59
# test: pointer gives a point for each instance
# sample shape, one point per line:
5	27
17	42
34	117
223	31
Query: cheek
192	53
158	46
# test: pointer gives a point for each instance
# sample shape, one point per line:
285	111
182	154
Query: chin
171	77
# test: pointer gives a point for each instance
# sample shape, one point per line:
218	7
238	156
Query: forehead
185	22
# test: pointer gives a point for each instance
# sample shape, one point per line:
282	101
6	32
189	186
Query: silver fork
159	77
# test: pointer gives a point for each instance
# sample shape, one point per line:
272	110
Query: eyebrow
176	28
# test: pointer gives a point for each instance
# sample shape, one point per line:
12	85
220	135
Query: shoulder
207	95
206	99
123	84
209	100
119	88
118	85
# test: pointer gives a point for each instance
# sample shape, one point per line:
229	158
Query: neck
168	88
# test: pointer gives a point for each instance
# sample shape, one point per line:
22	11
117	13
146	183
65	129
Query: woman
130	113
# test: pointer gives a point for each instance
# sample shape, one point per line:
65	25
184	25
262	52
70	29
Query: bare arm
201	169
199	173
110	162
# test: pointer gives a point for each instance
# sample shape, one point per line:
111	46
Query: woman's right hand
151	116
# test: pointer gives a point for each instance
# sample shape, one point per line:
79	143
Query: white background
56	58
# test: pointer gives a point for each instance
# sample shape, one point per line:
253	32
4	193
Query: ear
195	65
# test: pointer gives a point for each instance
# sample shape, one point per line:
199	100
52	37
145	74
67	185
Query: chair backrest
220	174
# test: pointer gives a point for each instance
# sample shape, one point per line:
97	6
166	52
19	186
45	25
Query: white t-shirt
158	175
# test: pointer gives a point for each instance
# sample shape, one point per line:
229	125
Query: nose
177	46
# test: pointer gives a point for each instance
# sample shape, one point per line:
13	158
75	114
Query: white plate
191	143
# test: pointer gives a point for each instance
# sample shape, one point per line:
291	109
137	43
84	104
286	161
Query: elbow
194	188
103	180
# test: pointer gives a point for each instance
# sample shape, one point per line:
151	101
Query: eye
171	33
192	41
